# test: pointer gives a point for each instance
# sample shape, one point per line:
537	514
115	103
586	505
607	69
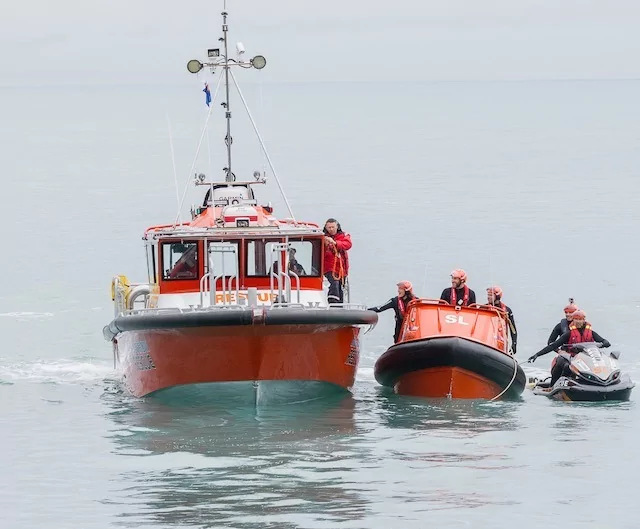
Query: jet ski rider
579	332
563	326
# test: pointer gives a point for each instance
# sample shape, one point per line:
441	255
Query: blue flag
207	93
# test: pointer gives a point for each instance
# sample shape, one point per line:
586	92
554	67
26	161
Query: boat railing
205	285
297	278
279	306
211	281
280	281
236	306
182	310
138	291
346	305
125	294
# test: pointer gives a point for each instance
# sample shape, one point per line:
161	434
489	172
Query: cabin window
180	261
304	257
224	258
261	254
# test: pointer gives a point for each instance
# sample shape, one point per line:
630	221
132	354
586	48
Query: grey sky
110	41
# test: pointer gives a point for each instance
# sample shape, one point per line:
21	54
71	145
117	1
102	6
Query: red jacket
336	259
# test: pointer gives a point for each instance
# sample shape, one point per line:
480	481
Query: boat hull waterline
576	392
451	367
189	348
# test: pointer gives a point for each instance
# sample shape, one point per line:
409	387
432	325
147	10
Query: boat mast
228	139
258	62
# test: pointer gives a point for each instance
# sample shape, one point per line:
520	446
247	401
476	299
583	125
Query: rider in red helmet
458	293
579	331
399	305
494	297
563	326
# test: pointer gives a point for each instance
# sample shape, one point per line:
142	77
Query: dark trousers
335	294
396	335
559	368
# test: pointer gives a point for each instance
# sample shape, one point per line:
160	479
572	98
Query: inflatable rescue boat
452	351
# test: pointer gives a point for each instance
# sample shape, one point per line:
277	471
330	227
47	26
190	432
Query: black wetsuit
562	364
393	304
446	295
558	330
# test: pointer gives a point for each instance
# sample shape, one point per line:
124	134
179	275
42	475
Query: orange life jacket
577	337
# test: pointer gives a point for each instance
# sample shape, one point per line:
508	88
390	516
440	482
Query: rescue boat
235	294
452	351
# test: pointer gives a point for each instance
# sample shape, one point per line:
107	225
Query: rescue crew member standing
563	326
494	297
579	331
399	305
458	293
336	260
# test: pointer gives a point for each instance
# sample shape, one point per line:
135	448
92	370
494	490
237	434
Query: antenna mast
215	59
230	177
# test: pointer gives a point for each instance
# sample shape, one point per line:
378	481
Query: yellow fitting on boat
124	281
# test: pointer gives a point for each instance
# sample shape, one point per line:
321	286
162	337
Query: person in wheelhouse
580	331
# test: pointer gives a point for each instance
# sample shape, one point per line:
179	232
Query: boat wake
26	315
59	371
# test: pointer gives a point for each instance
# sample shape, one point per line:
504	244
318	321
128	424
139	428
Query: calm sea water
533	186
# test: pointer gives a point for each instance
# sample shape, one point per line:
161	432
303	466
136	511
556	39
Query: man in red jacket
336	260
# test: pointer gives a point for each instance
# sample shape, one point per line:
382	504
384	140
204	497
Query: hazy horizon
409	41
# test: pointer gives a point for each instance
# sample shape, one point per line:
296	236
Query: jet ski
594	376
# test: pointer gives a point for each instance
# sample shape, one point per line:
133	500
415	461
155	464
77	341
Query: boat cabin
232	245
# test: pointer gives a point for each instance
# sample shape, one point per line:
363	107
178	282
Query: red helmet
405	285
570	308
497	291
460	274
579	315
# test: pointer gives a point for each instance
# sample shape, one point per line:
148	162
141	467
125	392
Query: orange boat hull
452	382
157	359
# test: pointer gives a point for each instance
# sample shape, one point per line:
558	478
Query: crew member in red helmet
565	322
458	293
399	305
494	297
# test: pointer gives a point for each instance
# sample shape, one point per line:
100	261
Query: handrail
135	292
226	282
235	306
297	278
288	220
287	286
202	287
